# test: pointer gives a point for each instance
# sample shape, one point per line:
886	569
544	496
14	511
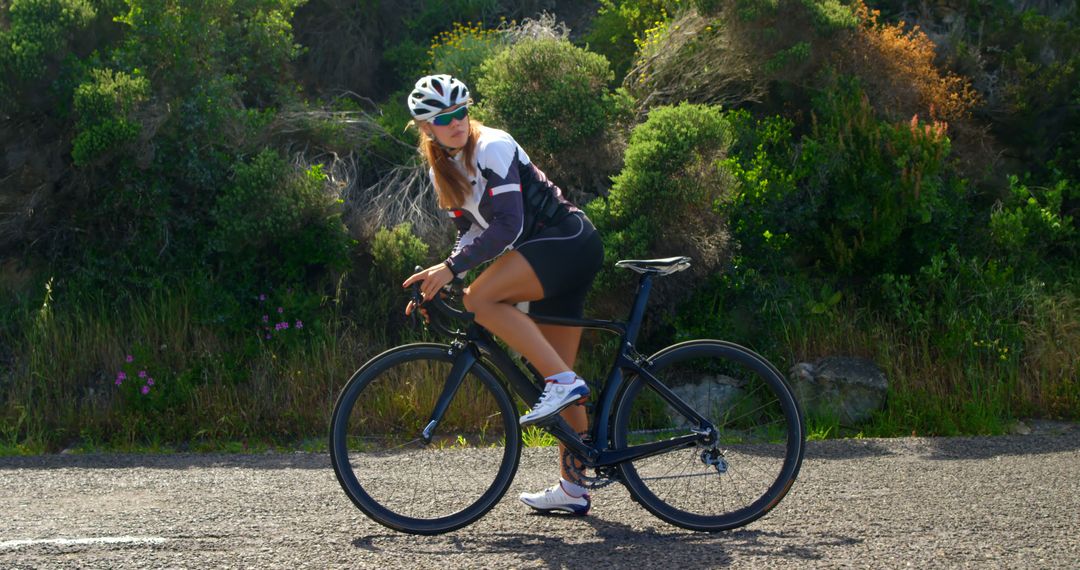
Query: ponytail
451	184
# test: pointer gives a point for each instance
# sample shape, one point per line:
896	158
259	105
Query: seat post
637	313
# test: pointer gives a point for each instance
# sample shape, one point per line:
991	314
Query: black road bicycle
705	434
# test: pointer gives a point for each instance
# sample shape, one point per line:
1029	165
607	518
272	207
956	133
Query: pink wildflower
145	390
129	358
142	374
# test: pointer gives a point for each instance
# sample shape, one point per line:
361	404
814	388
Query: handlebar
440	313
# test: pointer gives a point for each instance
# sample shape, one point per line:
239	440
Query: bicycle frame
477	343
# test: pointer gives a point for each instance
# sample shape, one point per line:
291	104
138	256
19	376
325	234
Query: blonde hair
451	184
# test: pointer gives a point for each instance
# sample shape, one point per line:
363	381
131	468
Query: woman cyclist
545	251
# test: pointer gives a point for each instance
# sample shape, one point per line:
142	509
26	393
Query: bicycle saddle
665	266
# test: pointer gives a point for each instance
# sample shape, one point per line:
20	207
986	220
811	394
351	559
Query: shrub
1034	100
34	43
275	225
696	59
460	51
1032	227
40	31
160	121
182	46
105	106
374	47
730	53
553	97
883	197
620	25
898	71
547	92
395	253
990	328
671	196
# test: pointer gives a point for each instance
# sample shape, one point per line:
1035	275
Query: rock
851	389
710	395
1020	428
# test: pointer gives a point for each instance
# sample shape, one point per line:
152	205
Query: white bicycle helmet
435	93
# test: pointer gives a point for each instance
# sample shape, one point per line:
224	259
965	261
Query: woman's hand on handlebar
432	279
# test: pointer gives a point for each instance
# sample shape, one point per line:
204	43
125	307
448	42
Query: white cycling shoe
555	498
555	397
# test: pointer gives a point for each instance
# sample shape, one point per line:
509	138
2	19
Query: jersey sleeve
500	165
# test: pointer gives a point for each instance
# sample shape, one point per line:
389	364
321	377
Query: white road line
12	544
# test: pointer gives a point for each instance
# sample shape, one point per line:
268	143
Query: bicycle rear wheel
391	473
751	466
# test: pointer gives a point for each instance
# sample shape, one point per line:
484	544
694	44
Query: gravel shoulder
994	502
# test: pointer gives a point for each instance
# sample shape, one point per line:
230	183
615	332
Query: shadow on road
845	449
615	545
973	448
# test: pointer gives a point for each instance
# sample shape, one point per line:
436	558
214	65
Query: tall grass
214	387
62	387
942	386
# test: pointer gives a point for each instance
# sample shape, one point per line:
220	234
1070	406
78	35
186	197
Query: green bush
104	106
671	196
181	46
276	225
461	50
553	97
377	46
395	252
548	93
195	85
38	36
620	26
1032	227
884	199
40	32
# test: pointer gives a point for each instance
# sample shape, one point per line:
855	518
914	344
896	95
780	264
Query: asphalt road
1002	502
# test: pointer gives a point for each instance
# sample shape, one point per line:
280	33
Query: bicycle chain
571	459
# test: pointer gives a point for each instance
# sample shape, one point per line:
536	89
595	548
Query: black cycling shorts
566	258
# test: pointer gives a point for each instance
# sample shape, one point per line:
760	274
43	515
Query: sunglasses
447	118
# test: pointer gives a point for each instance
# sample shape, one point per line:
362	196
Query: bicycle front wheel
388	469
746	471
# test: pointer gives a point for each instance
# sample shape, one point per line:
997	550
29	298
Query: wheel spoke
760	436
408	483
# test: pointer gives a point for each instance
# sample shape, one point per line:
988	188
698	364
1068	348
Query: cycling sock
567	377
573	489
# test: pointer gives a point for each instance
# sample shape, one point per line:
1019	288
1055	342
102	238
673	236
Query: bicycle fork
462	363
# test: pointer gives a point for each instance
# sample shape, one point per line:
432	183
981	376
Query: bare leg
565	341
492	297
551	349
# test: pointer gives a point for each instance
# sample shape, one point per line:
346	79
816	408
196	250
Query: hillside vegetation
206	206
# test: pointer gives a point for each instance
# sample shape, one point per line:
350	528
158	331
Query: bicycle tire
760	442
383	463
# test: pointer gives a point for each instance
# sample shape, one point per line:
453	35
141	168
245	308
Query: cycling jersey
511	199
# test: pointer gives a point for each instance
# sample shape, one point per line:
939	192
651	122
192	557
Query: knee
474	302
478	301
